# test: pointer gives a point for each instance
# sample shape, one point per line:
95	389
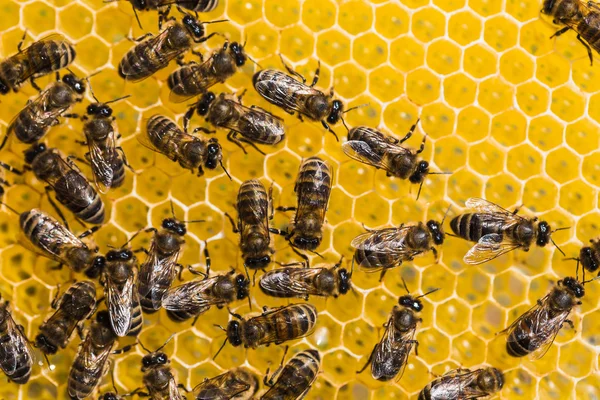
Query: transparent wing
485	206
156	270
101	157
390	242
395	344
40	115
285	91
221	387
13	345
202	75
293	281
52	236
195	294
93	359
489	247
119	301
361	151
34	64
174	393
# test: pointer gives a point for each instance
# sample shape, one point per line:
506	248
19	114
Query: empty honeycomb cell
503	188
509	289
400	115
32	297
386	83
562	165
444	57
488	319
524	161
480	61
509	128
556	385
495	95
369	210
588	227
587	388
516	66
428	24
464	27
355	16
360	337
533	98
463	185
468	349
591	168
333	47
112	25
584	76
130	213
519	384
282	13
540	194
450	153
567	105
77	13
349	80
438	120
299	41
39	17
500	33
369	50
263	39
577	198
545	132
459	90
552	70
569	47
21	264
344	212
41	388
10	10
434	346
580	134
422	86
575	360
450	5
344	233
485	8
406	53
244	11
454	322
486	158
391	20
339	367
319	15
534	37
327	335
92	54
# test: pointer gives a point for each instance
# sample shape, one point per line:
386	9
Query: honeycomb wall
512	113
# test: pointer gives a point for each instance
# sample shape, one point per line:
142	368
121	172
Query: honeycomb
512	113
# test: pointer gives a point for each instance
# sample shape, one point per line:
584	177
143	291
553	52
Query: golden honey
512	113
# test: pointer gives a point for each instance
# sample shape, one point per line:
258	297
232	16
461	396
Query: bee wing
153	271
34	64
101	158
285	92
93	361
393	344
489	247
221	387
306	203
485	206
260	214
119	301
390	241
293	281
39	114
194	294
13	345
203	76
362	152
174	393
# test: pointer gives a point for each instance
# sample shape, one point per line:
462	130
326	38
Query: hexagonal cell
422	86
444	57
82	15
16	265
580	134
10	10
369	50
567	105
516	66
32	297
406	53
500	32
450	5
459	90
533	98
434	346
333	47
131	213
479	61
386	83
545	132
524	161
282	13
391	20
263	38
355	16
562	165
587	388
319	15
575	360
339	366
509	128
519	384
540	193
244	11
39	17
495	95
577	198
468	349
509	289
463	185
486	158
485	8
92	54
464	27
591	168
400	115
456	317
360	337
112	25
556	385
298	42
503	188
428	24
327	334
349	80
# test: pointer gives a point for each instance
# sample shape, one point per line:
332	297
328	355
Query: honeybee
41	58
76	305
589	257
294	96
464	384
577	15
71	187
189	151
238	383
108	160
91	362
313	188
16	357
158	376
272	326
390	356
35	120
253	123
193	298
120	291
381	250
371	147
295	379
255	209
155	53
193	79
53	240
498	231
164	7
305	282
533	332
157	272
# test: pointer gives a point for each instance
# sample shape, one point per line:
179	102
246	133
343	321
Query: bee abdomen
85	202
26	129
252	192
135	65
182	81
468	227
519	341
54	54
298	320
148	305
23	362
118	167
136	317
81	383
201	6
159	129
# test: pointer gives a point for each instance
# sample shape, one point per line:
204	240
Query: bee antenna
420	187
446	214
50	366
172	209
249	303
165	343
144	347
114	100
355	107
251	59
225	169
590	280
345	126
10	208
560	229
214	22
137	18
425	294
90	76
192	221
220	348
440	173
555	245
405	286
112	378
87	78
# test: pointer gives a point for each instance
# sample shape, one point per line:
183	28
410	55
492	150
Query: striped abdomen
136	314
75	192
152	292
589	256
313	185
84	376
286	323
296	377
47	56
15	359
372	254
589	29
198	5
184	315
118	168
261	127
519	341
473	227
162	133
27	126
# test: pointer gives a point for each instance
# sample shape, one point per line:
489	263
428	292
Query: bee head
257	262
204	103
102	316
586	254
172	225
409	301
420	172
35	150
548	6
233	333
154	359
437	232
4	89
242	283
490	380
306	243
337	109
543	234
194	27
573	286
42	343
139	4
238	53
345	280
100	110
119	255
214	154
74	83
96	268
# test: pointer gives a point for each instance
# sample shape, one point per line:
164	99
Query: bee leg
317	73
286	209
35	85
291	71
182	387
587	47
20	44
560	32
416	343
81	142
232	137
422	147
304	256
163	15
270	381
233	227
196	272
141	394
570	323
80	331
4	140
179	60
200	171
204	130
11	169
56	298
205	38
53	204
368	361
120	149
199	55
253	145
71	115
140	38
410	132
141	249
124	349
326	126
89	232
383	272
278	232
